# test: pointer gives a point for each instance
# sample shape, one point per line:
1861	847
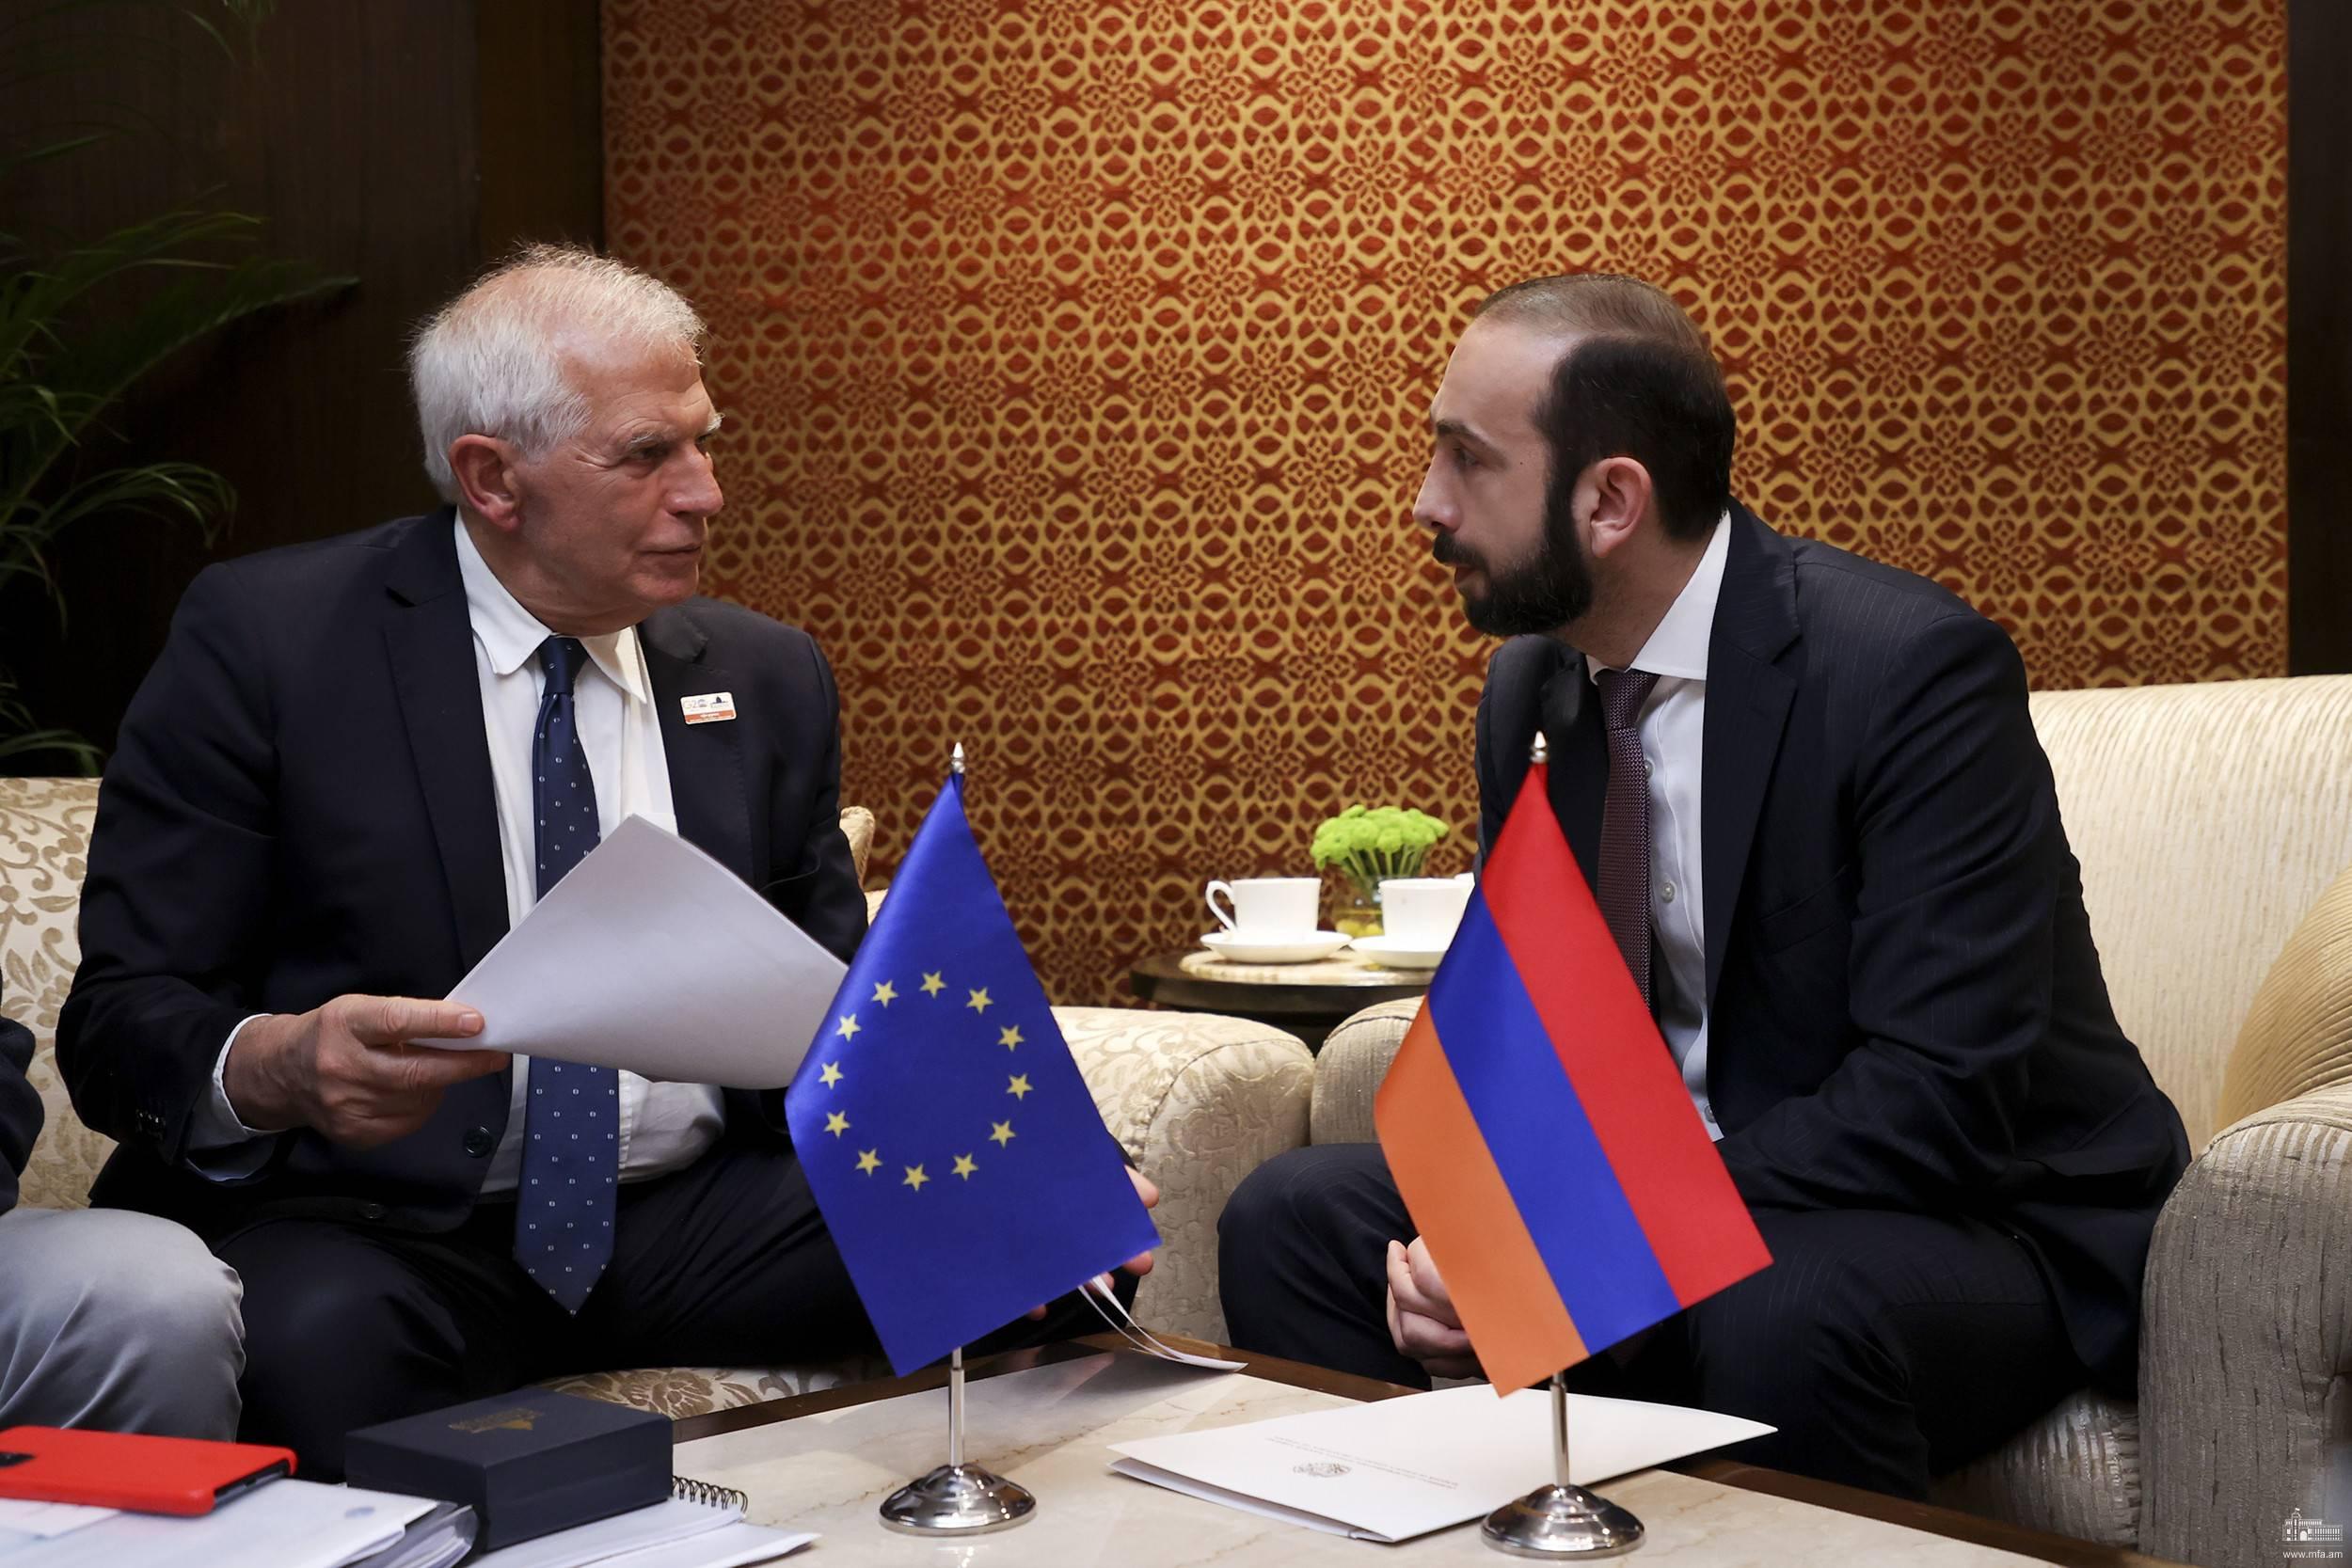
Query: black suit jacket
300	806
1905	1008
20	1108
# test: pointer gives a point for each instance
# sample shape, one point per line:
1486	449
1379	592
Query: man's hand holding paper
347	1068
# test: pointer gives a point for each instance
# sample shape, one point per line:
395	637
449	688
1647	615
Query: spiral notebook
699	1526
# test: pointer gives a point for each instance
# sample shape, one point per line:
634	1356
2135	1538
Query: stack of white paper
674	1534
1396	1469
281	1524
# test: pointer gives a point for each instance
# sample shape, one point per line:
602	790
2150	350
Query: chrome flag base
958	1499
1560	1521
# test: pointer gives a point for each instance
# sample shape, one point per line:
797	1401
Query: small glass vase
1357	909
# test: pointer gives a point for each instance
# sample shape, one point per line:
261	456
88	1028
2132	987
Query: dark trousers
725	1264
1887	1348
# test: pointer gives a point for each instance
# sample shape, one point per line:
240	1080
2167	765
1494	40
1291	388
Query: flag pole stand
957	1498
1562	1519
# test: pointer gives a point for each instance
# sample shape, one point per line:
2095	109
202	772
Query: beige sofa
2214	824
1198	1101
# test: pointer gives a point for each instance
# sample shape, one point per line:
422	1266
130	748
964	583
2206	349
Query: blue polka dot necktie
571	1127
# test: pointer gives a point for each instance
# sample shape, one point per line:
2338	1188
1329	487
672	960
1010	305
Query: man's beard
1539	595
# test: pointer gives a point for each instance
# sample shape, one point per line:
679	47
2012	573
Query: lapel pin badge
708	709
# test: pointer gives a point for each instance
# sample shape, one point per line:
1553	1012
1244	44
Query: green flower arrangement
1370	843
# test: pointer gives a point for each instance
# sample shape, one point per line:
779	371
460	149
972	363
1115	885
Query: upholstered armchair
2213	825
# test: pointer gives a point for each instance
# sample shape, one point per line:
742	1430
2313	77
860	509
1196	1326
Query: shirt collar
511	635
1677	645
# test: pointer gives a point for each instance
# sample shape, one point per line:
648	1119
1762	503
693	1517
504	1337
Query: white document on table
651	956
1396	1469
675	1533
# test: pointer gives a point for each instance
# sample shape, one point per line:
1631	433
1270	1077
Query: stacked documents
699	1527
301	1524
280	1524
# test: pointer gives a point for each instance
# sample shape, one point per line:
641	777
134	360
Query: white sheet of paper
728	1547
1396	1469
651	956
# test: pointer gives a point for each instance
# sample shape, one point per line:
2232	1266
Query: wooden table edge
1311	1011
1930	1518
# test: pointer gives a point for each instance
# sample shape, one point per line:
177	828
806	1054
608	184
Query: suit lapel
705	760
428	636
1748	696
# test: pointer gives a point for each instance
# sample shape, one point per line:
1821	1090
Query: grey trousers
117	1321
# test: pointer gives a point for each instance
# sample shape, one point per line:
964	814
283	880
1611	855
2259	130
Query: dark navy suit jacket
1905	1008
300	806
20	1108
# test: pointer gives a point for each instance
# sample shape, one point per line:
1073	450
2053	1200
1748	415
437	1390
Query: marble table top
1048	1428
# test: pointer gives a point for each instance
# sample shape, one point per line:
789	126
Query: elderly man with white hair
355	765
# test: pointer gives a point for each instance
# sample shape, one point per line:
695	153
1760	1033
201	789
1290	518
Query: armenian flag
1539	1130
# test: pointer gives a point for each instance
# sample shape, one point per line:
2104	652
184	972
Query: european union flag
952	1145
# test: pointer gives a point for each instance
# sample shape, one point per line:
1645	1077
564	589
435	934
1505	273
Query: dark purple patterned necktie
1624	821
571	1125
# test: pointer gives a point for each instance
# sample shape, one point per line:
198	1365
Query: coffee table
1308	1000
825	1460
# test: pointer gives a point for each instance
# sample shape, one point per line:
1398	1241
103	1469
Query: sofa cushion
44	847
2073	1472
2175	796
676	1391
1198	1101
2298	1036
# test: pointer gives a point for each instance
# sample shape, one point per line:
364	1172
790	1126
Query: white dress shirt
1673	730
665	1127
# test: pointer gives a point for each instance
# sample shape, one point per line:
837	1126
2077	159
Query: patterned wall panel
1075	351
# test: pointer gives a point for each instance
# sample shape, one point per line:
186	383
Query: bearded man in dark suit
356	764
1809	798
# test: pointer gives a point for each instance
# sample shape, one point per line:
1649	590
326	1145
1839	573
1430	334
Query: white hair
492	361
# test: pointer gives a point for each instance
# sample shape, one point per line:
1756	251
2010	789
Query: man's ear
1621	499
487	482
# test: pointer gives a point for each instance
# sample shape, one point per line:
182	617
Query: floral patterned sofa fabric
1198	1101
44	847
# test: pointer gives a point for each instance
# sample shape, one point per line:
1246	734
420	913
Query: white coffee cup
1267	906
1423	912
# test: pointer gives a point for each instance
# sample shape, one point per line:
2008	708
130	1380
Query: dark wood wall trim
403	142
2319	336
539	100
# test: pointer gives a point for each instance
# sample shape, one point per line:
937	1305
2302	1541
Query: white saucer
1289	948
1392	953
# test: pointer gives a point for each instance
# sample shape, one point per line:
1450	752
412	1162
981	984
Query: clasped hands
1422	1318
347	1071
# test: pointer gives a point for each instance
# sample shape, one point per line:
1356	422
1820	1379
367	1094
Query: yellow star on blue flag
925	1088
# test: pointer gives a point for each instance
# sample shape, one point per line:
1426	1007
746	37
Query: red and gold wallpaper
1074	355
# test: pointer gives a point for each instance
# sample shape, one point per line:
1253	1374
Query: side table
1308	1000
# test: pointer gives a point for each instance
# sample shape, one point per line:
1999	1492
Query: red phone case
120	1470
